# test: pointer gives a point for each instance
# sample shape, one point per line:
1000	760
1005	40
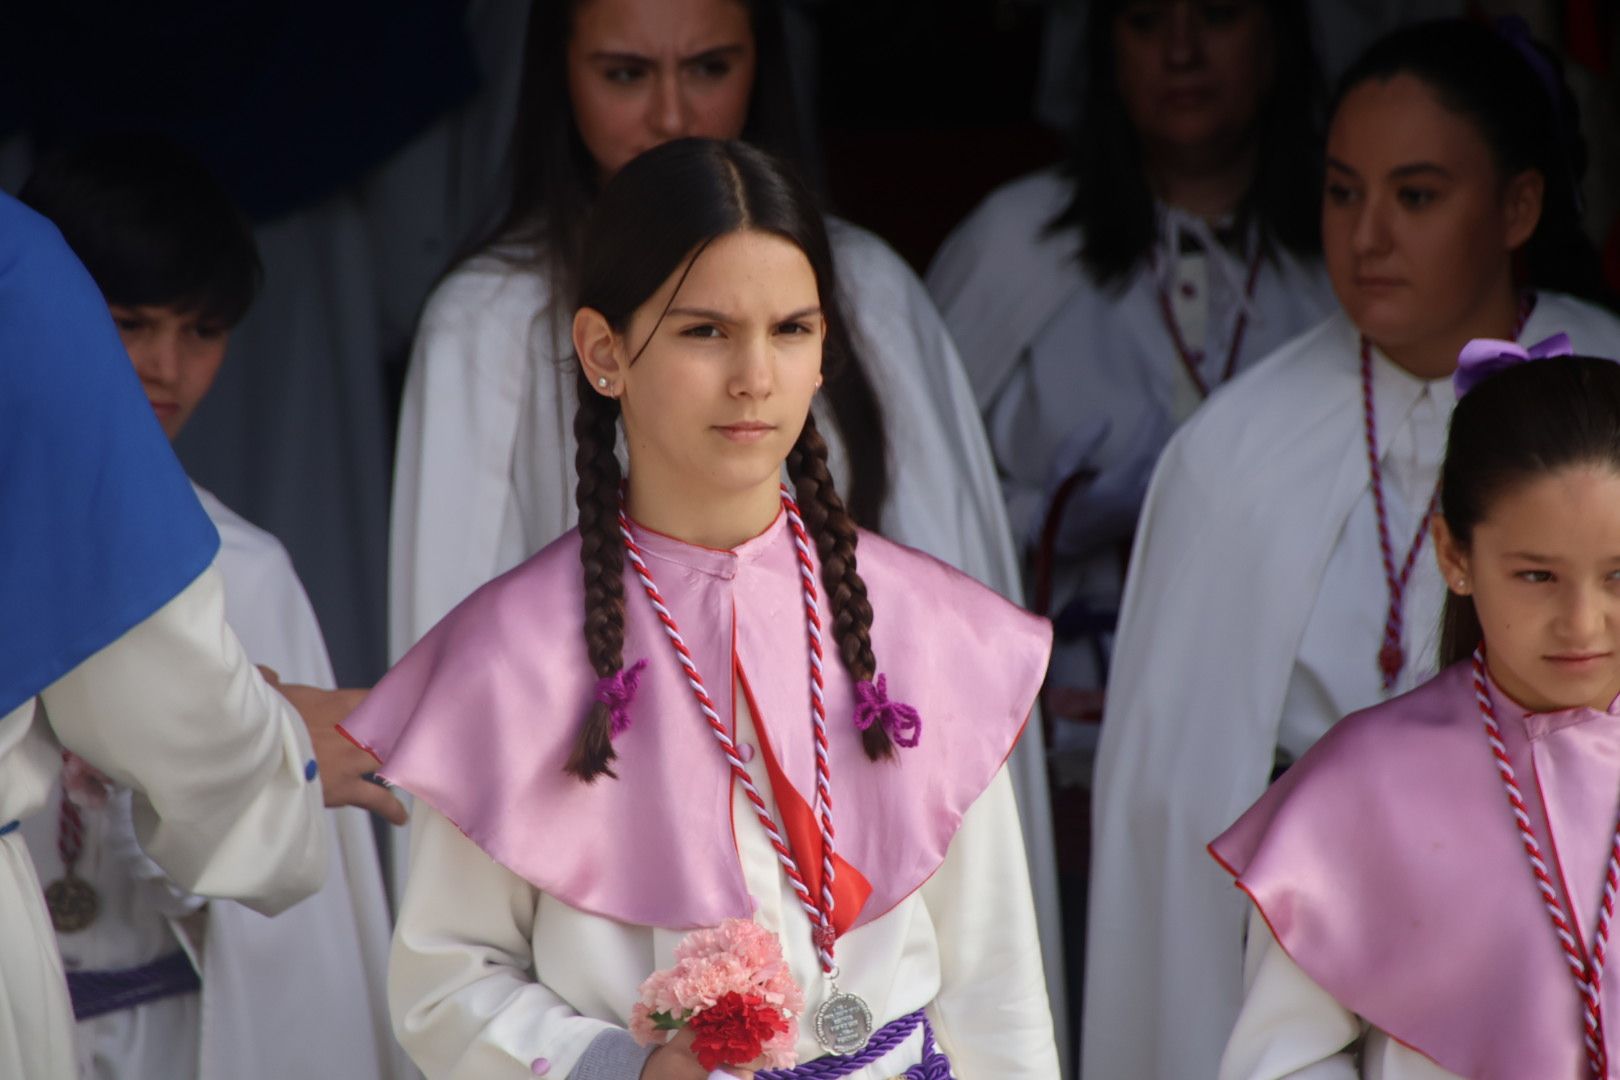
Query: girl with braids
1432	883
483	475
713	699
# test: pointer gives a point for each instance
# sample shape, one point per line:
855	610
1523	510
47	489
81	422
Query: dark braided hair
833	530
651	222
602	555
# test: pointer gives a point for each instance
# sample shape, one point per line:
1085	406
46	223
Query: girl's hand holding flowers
676	1060
731	1000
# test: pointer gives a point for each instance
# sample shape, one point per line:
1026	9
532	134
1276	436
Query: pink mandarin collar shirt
1389	867
479	717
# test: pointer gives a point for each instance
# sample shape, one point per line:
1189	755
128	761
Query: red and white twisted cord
818	713
820	913
1588	976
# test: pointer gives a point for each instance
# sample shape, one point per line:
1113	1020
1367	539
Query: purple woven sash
933	1066
96	993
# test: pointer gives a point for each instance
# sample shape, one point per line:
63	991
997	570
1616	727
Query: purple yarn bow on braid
1484	357
872	706
616	691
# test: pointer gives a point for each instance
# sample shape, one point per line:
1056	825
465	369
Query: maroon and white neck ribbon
1392	649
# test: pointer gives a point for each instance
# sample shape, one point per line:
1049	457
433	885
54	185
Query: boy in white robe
177	267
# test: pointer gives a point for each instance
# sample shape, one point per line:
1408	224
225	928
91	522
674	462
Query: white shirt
1336	671
1073	377
489	975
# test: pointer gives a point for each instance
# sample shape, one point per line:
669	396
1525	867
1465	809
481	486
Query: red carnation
734	1030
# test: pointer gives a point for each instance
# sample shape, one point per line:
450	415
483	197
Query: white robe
1070	375
490	975
484	472
244	1025
1252	500
218	761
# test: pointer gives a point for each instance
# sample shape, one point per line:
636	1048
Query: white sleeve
453	463
1289	1026
226	801
146	878
462	987
991	1015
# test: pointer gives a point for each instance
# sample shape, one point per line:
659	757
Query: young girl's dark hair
150	223
553	180
1527	421
1526	115
651	222
1112	206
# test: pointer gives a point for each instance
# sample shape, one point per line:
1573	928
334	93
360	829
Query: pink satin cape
1389	868
478	719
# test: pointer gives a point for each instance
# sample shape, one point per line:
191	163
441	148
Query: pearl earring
601	381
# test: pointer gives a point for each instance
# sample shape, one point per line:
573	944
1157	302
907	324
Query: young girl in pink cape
1434	882
715	698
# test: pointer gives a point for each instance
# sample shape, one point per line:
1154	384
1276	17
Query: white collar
1396	393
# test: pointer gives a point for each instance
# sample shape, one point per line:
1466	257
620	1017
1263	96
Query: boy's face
176	354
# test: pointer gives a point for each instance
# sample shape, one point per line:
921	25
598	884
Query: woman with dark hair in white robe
1098	304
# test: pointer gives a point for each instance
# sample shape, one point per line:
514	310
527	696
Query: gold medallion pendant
73	903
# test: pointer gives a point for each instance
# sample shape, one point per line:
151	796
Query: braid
602	556
833	529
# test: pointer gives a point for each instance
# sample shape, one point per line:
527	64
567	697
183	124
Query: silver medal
843	1023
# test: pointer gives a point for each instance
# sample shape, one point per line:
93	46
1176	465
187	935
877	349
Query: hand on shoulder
344	768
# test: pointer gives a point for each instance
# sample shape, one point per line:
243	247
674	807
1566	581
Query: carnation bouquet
732	987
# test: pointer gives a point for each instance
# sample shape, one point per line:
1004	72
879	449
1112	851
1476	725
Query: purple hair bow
1484	357
872	706
616	691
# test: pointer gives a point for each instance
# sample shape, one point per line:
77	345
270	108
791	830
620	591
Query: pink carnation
641	1026
738	957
